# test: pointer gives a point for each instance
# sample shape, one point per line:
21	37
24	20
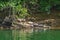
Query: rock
7	21
35	24
30	22
7	24
21	20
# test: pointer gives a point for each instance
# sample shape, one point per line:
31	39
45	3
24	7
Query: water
30	34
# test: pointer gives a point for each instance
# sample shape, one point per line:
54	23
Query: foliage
23	7
16	5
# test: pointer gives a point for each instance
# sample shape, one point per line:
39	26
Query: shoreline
13	28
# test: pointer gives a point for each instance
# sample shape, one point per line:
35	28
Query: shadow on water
30	34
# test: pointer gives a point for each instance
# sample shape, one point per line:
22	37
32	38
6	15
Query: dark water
30	34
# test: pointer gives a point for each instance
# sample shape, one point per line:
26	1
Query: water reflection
30	34
6	35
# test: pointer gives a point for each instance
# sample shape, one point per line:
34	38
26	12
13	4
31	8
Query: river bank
23	24
41	28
